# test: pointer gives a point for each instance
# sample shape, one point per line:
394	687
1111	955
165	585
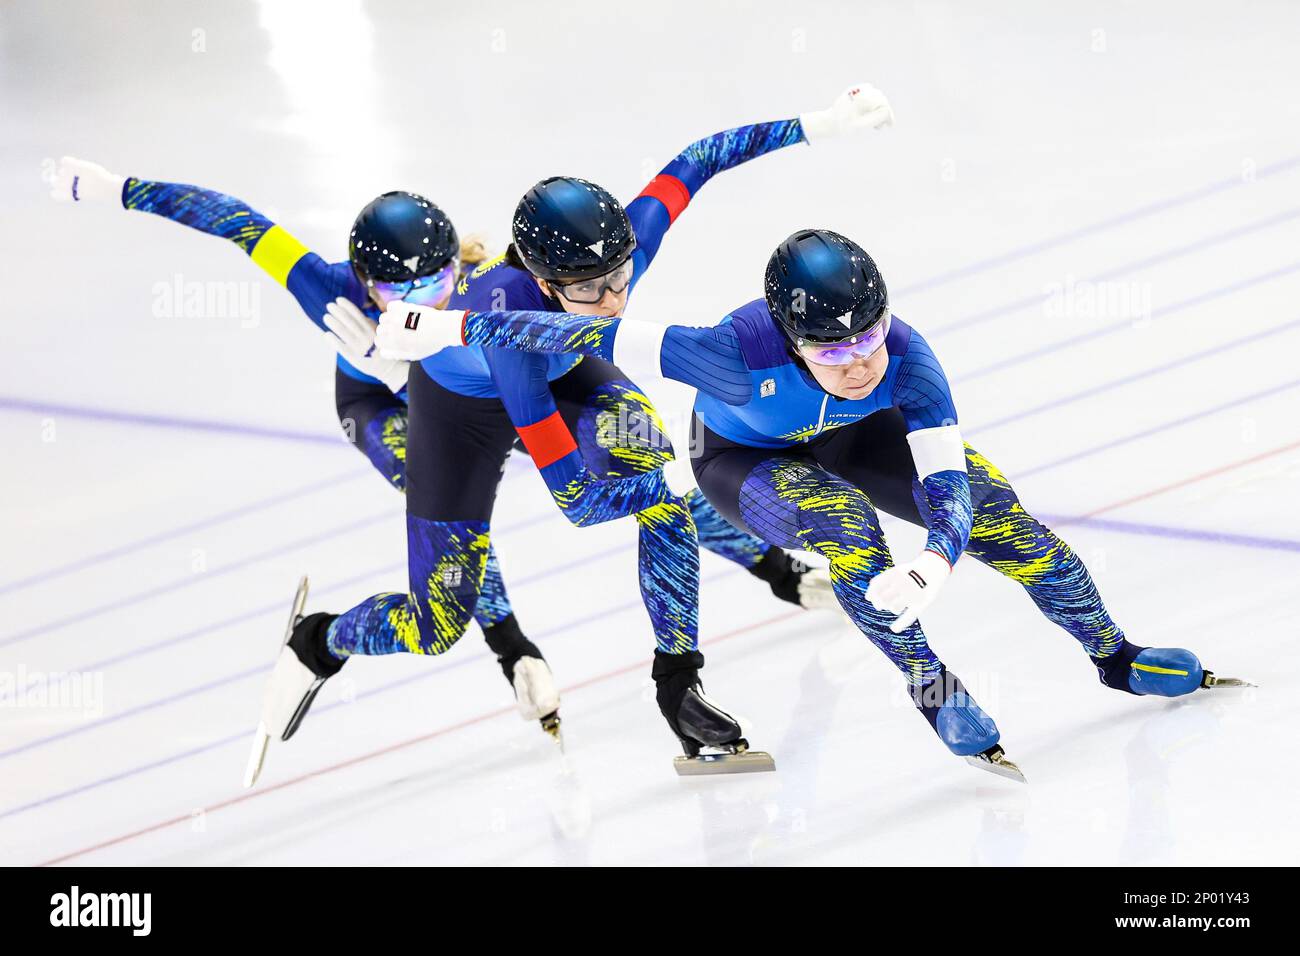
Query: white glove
414	332
76	180
908	589
859	107
353	335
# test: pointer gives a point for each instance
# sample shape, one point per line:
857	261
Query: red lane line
383	751
603	677
1186	481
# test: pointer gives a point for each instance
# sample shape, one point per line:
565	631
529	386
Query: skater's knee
448	562
798	505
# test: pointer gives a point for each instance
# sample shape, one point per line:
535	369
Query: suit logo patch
452	576
767	389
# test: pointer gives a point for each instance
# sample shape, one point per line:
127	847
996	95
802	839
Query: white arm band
937	449
636	349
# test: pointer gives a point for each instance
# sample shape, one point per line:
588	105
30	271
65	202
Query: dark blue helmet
401	236
569	229
821	287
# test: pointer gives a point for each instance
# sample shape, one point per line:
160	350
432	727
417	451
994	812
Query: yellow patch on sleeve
277	253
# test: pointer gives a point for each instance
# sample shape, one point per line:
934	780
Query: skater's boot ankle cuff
1113	669
930	696
507	642
310	642
781	572
674	675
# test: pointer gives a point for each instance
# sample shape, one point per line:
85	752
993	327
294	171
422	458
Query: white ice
1141	160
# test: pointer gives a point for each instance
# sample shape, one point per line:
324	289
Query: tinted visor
862	345
432	290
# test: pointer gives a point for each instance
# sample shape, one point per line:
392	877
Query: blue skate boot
962	725
1158	672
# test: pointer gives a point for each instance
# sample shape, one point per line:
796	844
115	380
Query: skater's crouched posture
815	408
401	247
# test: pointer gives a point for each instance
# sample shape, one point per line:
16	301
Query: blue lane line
247	615
569	627
1185	534
190	580
16	404
1133	215
1156	429
51	574
1126	268
1124	324
1092	390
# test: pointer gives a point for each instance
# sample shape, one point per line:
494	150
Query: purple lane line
1028	301
272	607
1123	324
11	403
1187	534
220	518
192	579
1133	215
133	711
262	668
1155	429
568	627
189	580
1093	390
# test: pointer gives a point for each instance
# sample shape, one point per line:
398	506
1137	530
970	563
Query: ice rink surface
1093	215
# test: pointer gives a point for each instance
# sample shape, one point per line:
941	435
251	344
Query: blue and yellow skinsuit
593	435
804	469
374	419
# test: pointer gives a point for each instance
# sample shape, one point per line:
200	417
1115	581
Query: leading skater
815	406
593	436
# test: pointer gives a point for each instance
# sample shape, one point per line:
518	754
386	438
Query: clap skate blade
733	758
262	736
994	760
1211	682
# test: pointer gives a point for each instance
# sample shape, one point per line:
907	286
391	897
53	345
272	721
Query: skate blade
751	761
256	757
295	611
998	764
1212	682
551	726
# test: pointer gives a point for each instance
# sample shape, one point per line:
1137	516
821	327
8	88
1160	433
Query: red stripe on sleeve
548	440
670	191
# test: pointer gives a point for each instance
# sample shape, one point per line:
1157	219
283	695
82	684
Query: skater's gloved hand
352	333
414	332
859	107
908	589
76	180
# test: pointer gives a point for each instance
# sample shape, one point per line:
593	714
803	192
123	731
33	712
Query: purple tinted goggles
431	290
862	345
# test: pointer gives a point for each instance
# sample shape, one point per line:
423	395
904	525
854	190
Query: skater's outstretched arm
708	359
310	279
662	200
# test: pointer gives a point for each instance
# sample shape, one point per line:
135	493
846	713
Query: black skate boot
793	581
528	673
700	723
